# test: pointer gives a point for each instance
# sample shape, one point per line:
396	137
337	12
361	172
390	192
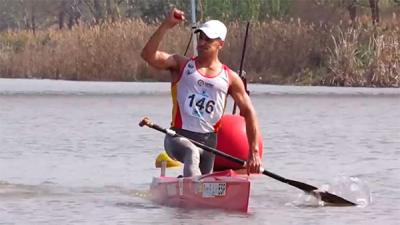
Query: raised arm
242	99
160	59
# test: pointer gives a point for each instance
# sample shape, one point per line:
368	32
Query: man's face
208	45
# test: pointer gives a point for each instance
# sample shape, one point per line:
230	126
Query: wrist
254	154
163	27
166	25
255	150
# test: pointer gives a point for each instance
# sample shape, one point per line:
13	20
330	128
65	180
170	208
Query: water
72	153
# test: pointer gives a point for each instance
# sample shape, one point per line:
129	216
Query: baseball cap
213	29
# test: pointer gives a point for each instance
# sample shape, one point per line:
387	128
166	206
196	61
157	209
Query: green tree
275	8
27	14
245	9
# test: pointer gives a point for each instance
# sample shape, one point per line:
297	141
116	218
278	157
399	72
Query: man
199	88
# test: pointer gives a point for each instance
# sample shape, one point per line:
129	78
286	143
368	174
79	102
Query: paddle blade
326	197
332	200
163	156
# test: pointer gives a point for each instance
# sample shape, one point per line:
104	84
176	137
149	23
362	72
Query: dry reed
291	52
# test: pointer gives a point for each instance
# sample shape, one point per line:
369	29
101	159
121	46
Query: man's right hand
174	17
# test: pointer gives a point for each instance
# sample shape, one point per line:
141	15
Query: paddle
324	196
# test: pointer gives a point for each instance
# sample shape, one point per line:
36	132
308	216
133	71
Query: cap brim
208	33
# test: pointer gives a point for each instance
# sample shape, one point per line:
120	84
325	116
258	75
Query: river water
72	153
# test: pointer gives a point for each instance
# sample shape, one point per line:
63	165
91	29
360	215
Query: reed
364	56
280	52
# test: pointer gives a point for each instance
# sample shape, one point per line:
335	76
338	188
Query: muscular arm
155	57
242	99
160	59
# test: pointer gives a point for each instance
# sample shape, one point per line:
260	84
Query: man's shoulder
232	75
229	70
180	60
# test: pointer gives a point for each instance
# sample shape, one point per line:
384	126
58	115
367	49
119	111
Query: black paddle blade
332	199
326	197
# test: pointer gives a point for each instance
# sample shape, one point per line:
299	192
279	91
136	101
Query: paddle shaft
241	65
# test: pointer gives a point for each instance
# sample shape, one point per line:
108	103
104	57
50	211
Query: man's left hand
254	163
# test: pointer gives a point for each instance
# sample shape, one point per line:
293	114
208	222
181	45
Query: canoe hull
225	190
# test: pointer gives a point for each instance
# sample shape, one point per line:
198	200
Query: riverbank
279	52
100	88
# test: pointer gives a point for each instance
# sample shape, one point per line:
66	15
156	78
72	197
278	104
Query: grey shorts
196	161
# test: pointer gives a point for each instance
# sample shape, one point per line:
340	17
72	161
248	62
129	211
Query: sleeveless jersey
198	100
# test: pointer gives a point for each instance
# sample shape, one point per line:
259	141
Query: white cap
213	29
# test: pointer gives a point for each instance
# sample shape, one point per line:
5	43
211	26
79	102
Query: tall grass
364	56
106	52
282	52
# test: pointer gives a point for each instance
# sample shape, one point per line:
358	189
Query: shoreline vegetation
285	51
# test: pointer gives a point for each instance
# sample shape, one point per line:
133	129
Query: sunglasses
204	37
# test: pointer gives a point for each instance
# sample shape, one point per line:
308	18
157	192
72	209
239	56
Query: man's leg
184	151
206	162
207	158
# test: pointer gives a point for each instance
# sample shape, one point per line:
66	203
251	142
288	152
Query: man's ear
221	44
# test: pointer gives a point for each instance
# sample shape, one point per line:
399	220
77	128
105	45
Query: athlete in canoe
199	88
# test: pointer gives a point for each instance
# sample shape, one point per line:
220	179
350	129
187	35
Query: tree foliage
39	14
245	9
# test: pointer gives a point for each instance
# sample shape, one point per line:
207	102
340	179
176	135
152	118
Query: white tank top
199	100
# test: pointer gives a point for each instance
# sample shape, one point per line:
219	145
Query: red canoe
226	190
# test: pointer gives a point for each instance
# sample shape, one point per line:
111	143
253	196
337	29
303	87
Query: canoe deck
225	189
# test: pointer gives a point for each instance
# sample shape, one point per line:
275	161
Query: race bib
199	105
